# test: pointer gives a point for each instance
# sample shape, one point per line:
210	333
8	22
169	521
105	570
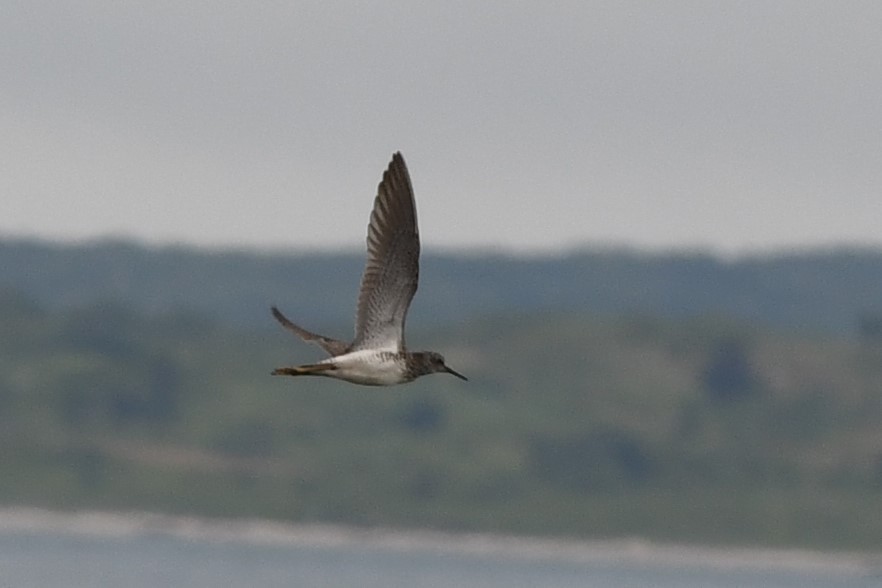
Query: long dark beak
455	373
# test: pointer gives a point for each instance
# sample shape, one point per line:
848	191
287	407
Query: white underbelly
368	367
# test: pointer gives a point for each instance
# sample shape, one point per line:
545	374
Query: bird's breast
370	368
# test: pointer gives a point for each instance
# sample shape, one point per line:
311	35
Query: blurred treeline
611	393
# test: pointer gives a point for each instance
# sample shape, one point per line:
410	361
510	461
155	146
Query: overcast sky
736	126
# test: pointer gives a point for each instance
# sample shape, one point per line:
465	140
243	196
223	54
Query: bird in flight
378	356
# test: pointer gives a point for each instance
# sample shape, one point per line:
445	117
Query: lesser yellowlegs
378	356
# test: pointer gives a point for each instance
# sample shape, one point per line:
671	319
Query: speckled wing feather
392	270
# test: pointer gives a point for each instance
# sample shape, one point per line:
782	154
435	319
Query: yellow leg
315	369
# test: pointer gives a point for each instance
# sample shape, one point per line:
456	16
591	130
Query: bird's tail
315	369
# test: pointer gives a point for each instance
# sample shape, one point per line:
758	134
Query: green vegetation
700	429
815	291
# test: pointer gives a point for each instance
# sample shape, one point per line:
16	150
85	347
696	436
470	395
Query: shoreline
264	532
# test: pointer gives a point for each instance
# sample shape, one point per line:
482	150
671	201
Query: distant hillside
815	291
692	430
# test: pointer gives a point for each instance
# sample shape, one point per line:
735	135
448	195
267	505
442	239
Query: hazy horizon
358	249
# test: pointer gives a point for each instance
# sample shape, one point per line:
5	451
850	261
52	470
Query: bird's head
434	363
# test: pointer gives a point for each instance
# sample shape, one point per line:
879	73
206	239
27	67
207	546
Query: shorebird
378	356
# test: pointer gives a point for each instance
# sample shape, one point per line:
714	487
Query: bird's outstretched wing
332	346
392	270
